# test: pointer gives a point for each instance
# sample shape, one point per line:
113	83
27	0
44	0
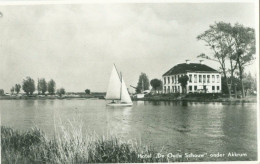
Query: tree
249	83
2	92
244	47
224	86
17	88
51	87
218	40
156	84
183	80
87	91
234	43
61	91
143	83
42	86
12	90
28	86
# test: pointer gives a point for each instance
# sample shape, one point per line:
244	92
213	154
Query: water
172	126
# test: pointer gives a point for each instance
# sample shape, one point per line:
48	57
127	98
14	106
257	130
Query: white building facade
202	79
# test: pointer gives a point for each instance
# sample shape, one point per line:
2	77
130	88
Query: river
172	126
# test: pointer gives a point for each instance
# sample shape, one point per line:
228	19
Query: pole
142	85
235	90
121	85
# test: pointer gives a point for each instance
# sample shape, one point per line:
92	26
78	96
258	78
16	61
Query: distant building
202	78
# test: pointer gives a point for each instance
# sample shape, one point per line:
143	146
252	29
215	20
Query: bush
204	95
2	92
87	91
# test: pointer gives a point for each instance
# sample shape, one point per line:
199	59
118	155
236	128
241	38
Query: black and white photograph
129	81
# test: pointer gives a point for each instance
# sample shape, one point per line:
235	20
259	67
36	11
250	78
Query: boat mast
121	85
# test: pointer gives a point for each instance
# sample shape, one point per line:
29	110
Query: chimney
201	62
187	61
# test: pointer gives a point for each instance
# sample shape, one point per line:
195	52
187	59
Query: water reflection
119	119
29	103
155	103
139	102
41	103
184	103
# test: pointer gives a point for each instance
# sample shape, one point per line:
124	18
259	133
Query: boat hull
120	104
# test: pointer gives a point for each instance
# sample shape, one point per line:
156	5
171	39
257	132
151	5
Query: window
208	78
195	87
168	80
175	79
217	78
178	79
164	89
195	78
172	79
213	78
213	88
178	88
190	88
172	88
199	78
204	78
164	80
190	78
169	89
218	88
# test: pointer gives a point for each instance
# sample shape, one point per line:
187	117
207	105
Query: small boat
117	90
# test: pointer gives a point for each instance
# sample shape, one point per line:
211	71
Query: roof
192	67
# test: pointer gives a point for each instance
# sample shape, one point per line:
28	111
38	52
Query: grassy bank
70	146
69	95
197	97
34	97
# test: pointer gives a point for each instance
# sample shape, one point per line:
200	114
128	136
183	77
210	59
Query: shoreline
200	100
47	97
235	100
197	98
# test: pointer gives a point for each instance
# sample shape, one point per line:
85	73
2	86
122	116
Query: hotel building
202	78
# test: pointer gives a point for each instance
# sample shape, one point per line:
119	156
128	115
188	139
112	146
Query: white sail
125	97
114	86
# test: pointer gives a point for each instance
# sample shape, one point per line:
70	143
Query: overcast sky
76	45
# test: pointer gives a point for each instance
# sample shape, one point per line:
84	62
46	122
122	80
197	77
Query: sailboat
117	91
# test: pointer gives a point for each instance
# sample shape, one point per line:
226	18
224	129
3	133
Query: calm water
189	127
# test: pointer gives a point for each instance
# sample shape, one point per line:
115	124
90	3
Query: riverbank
47	97
71	146
158	97
197	98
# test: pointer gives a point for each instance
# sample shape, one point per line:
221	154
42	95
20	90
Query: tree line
28	86
233	47
144	84
249	84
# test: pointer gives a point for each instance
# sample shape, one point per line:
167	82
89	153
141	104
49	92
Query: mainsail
114	86
117	89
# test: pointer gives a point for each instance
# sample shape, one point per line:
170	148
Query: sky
77	44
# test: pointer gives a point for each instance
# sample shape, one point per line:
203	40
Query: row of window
177	88
204	87
195	79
